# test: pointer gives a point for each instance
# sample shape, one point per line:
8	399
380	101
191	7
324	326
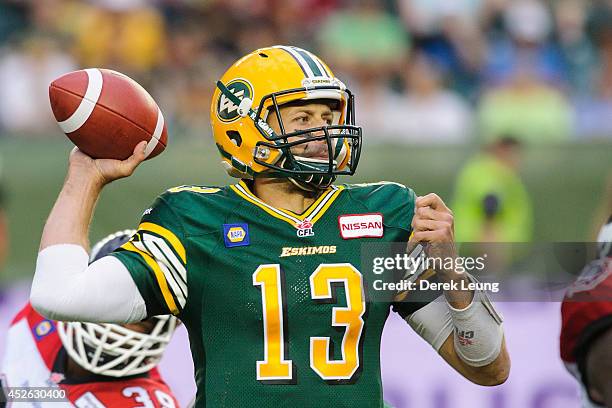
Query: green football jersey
276	303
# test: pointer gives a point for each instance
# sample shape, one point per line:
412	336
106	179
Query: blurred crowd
423	71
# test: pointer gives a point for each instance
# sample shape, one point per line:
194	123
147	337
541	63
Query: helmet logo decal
227	111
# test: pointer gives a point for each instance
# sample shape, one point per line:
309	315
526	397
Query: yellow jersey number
274	366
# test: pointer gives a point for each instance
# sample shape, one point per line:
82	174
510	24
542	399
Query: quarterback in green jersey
267	274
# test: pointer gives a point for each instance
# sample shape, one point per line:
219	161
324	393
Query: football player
98	365
586	332
266	274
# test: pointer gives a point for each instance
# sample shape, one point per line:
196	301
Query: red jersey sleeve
138	392
587	303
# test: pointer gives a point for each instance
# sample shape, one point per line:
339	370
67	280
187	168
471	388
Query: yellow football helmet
252	89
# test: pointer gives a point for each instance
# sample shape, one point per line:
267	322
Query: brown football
106	114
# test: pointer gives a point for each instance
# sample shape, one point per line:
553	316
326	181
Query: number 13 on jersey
275	366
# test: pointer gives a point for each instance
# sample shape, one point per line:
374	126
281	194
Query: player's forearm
478	331
494	373
69	220
64	286
471	338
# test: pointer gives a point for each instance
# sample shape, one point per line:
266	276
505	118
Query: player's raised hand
83	168
433	224
433	220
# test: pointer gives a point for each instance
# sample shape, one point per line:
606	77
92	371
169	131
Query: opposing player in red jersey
98	365
586	332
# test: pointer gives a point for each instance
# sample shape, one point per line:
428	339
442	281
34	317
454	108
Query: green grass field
566	184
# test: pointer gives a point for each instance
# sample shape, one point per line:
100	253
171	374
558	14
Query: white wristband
478	330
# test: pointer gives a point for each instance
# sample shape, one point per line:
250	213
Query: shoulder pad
376	184
194	189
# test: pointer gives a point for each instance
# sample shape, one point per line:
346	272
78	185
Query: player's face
306	116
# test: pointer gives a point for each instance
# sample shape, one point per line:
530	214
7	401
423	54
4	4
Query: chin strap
309	186
301	185
311	182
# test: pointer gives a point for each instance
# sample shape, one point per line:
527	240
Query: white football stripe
159	127
88	103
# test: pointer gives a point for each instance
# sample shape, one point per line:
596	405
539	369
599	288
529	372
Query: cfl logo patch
304	229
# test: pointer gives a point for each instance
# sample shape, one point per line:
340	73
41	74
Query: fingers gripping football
103	171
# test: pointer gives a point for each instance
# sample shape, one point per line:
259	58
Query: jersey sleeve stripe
178	287
168	235
159	275
168	254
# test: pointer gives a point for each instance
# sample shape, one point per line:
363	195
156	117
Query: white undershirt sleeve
66	288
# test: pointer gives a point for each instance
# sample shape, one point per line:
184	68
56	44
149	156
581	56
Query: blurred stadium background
436	81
